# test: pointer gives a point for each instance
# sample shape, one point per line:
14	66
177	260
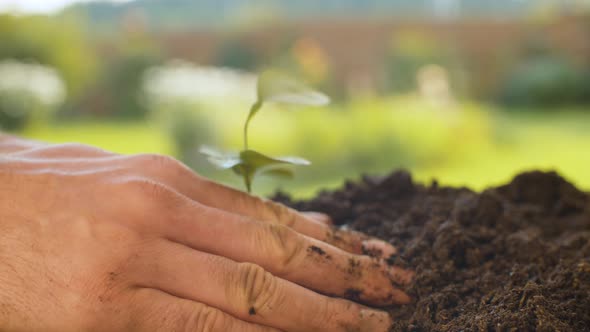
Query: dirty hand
95	241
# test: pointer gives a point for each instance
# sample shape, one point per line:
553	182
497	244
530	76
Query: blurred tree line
62	44
99	83
104	73
173	14
41	40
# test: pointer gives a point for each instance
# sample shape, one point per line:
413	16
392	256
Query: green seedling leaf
223	160
254	163
250	163
279	172
274	86
258	160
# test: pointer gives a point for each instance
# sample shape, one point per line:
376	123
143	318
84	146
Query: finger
266	210
248	292
170	172
182	179
320	217
280	250
155	310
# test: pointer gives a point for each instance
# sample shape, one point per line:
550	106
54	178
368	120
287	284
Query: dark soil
512	258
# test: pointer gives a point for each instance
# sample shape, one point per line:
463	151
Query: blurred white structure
39	6
434	85
186	81
40	82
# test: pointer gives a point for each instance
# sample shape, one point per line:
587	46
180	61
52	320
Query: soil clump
511	258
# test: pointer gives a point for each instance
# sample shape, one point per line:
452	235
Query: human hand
95	241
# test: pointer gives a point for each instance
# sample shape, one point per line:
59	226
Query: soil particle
354	268
512	258
372	252
353	294
316	250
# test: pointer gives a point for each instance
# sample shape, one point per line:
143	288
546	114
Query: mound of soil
512	258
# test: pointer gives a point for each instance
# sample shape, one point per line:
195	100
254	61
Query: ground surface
513	258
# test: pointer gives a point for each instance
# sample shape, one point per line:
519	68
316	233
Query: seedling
272	86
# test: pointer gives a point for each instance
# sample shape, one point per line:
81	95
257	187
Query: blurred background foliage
467	92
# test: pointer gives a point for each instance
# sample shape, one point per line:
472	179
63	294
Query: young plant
272	86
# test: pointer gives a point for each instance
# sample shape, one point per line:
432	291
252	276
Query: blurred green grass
466	144
119	137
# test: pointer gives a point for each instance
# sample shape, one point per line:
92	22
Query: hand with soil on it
95	241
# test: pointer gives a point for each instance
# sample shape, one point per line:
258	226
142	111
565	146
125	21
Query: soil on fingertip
511	258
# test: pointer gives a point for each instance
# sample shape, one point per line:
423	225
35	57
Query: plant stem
248	183
253	110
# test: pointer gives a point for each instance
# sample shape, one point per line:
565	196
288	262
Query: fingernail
378	248
375	320
400	297
401	276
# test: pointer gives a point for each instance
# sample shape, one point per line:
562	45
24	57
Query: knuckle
278	212
257	289
157	161
247	202
204	319
145	188
264	209
149	196
77	148
327	311
284	246
143	201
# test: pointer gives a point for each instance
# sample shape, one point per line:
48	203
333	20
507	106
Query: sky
36	6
